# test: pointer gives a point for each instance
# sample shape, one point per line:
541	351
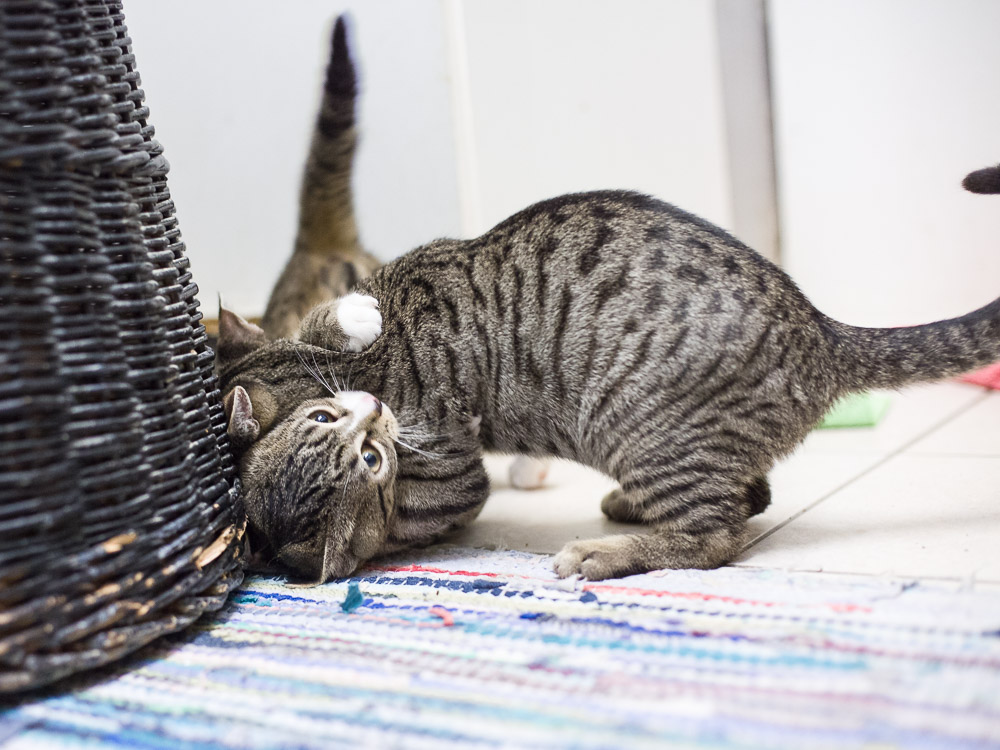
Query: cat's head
317	465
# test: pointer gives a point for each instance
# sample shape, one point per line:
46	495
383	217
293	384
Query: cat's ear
243	426
237	337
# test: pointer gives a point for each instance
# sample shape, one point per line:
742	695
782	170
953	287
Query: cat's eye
371	457
322	415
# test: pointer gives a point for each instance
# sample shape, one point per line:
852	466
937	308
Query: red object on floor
988	377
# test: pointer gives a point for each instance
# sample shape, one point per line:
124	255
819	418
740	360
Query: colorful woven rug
470	648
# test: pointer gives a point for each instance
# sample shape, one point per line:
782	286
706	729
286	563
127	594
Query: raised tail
328	259
326	210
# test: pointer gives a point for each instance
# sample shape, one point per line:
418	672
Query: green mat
858	410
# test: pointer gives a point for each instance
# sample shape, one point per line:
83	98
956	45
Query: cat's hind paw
528	473
360	319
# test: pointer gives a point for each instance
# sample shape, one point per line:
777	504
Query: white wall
233	87
882	106
569	95
472	110
549	97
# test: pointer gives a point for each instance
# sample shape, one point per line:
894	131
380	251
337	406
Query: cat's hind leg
699	522
618	506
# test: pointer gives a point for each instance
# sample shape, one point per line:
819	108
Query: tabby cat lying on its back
328	259
608	328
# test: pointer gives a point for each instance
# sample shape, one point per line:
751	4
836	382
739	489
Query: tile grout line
963	580
881	462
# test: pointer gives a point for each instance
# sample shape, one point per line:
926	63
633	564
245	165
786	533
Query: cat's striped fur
608	328
327	259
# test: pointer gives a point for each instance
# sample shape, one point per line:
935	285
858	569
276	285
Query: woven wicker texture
119	514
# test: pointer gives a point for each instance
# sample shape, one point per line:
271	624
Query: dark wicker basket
119	514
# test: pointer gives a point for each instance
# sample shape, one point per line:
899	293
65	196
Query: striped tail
328	259
326	213
894	357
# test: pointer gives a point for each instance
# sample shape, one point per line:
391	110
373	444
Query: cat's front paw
360	320
597	559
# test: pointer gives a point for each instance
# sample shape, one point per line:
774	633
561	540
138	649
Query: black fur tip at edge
984	181
340	77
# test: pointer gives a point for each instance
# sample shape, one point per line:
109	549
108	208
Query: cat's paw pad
527	473
360	320
597	559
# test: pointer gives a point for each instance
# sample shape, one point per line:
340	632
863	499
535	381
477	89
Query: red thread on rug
428	569
444	614
628	590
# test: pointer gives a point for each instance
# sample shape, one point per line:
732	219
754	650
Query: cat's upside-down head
317	464
318	486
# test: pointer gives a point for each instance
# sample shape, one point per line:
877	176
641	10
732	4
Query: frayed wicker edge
221	563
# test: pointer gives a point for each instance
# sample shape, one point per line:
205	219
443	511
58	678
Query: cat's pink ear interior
243	427
237	337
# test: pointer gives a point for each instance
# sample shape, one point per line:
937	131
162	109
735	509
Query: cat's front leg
437	492
349	323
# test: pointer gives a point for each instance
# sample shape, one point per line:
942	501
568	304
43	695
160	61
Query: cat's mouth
363	405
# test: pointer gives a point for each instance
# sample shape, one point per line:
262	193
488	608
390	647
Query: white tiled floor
916	496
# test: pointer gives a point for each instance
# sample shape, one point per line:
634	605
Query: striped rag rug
474	648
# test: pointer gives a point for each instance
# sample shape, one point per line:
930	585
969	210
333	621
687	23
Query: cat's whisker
421	437
424	428
319	374
427	435
422	425
418	450
313	373
333	374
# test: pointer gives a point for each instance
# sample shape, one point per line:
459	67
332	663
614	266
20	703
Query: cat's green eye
322	415
371	457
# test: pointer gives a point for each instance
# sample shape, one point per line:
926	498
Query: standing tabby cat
328	259
608	328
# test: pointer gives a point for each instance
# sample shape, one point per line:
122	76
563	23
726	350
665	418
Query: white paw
598	559
360	319
527	473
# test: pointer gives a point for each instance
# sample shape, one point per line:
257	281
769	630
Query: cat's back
600	258
607	290
621	248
